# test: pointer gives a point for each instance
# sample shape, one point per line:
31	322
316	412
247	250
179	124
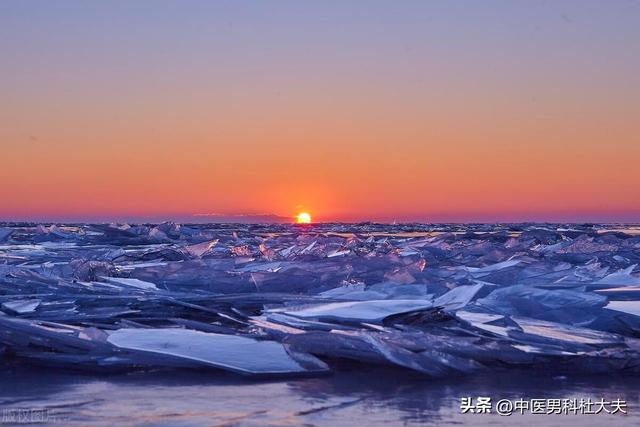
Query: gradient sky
352	110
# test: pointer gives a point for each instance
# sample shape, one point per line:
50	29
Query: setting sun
303	218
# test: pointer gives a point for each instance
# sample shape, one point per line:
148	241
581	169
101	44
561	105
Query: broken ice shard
230	352
21	306
360	311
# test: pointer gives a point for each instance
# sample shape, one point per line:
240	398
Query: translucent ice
373	311
276	299
229	352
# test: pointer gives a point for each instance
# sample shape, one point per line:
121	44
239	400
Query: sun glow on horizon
303	218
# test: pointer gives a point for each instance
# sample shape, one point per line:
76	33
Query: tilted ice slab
620	278
630	307
478	271
135	283
373	311
229	352
376	310
566	333
458	297
200	249
485	321
536	330
379	291
22	306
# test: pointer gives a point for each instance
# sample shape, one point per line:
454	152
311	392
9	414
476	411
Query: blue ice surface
434	300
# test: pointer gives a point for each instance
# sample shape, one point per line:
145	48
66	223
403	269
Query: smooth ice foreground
272	300
349	398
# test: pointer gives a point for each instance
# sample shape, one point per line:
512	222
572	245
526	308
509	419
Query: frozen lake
372	397
325	324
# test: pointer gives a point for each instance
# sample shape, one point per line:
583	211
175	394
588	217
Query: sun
303	218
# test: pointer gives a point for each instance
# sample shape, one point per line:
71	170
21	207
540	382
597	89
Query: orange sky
514	116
